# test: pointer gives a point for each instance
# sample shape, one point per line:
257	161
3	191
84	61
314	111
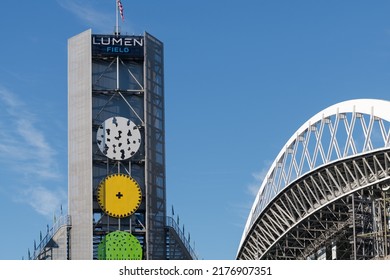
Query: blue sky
240	78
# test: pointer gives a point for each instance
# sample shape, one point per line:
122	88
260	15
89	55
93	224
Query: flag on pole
120	7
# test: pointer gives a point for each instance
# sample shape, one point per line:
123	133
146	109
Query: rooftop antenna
119	11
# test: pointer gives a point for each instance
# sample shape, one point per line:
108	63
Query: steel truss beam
343	130
318	209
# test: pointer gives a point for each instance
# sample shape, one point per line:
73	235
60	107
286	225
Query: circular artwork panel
118	138
119	195
119	245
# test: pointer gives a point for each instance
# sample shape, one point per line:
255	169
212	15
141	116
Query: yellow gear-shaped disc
119	195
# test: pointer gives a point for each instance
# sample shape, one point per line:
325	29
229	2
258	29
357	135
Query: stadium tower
116	191
116	142
116	155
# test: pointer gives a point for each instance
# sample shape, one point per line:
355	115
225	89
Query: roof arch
340	131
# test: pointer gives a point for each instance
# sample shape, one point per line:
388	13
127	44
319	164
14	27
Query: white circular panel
118	138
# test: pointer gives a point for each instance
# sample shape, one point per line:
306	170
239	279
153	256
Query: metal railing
172	224
60	222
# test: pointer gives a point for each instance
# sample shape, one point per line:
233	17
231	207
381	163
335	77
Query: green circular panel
119	245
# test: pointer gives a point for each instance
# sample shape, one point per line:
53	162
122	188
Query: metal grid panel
155	148
118	91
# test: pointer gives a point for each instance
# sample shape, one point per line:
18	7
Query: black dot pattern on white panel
118	138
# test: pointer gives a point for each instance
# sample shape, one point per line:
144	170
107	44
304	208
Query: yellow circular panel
119	195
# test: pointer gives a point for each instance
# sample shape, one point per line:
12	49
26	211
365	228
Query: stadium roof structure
326	189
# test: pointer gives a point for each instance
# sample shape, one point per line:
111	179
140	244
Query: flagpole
117	58
117	18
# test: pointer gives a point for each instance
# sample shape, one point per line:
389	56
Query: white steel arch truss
294	188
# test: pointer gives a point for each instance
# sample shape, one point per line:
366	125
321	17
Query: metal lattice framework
324	191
